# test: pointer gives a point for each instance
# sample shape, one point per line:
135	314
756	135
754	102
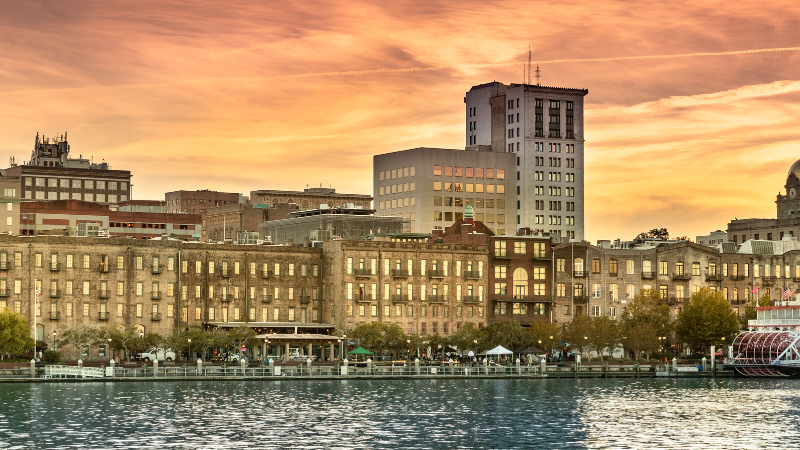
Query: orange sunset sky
238	96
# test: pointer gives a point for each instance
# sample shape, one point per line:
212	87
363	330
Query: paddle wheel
766	353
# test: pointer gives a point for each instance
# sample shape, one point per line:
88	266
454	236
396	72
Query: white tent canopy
499	350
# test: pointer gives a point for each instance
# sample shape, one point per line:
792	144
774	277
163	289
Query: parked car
156	353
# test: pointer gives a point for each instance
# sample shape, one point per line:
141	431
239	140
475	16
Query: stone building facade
197	202
310	198
426	288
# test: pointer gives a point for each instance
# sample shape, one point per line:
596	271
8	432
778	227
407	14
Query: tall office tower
543	127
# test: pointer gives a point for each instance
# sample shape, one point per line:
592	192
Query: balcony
155	270
613	274
681	277
225	299
739	277
55	293
363	273
713	277
266	275
471	275
365	298
156	317
579	274
4	292
581	298
648	275
102	315
770	279
471	299
225	273
502	256
399	298
399	273
796	279
435	274
103	268
266	299
54	315
540	257
305	299
155	296
104	294
55	267
436	299
673	301
4	265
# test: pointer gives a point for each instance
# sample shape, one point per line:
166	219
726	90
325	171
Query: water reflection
405	413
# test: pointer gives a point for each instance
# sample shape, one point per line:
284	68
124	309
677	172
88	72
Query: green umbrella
360	351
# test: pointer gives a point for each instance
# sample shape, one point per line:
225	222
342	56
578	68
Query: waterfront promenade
334	371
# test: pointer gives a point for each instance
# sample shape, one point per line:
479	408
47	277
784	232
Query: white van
156	353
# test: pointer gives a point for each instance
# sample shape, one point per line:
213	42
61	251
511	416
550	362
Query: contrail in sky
413	69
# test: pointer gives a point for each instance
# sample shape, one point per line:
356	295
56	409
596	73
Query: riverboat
770	346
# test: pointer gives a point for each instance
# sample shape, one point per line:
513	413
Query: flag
755	289
786	294
37	294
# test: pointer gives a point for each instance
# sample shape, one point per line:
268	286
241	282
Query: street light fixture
189	357
54	339
109	344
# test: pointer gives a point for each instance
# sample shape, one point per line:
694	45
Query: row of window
102	198
71	260
448	216
411	311
680	269
437	292
460	202
363	266
521	309
469	187
520	248
74	184
469	172
397	188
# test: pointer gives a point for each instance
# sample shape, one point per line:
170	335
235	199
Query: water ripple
362	414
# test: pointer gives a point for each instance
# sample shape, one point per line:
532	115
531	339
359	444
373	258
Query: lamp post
408	349
109	345
189	357
54	339
342	346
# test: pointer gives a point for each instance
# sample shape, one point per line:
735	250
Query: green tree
15	334
750	309
545	335
464	339
122	340
641	339
647	308
395	338
603	334
369	336
509	334
705	319
654	233
576	334
82	337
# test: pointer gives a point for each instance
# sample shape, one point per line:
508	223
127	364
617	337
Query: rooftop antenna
537	74
529	66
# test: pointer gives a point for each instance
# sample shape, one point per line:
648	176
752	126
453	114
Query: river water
539	413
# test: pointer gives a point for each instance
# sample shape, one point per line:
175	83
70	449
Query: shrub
52	357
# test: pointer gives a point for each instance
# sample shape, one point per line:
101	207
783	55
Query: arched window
520	283
139	329
275	200
305	205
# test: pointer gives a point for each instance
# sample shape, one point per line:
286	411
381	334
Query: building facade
325	224
128	222
310	198
430	187
225	222
197	202
543	128
423	287
9	205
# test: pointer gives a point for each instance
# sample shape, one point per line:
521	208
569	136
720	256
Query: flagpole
36	301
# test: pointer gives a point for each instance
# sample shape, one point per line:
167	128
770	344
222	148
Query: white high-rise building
543	127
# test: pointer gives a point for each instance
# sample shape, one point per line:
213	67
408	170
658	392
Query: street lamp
408	348
54	339
109	344
342	346
189	358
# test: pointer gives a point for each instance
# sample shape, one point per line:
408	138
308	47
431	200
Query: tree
656	233
464	339
81	337
395	338
647	308
15	335
577	334
705	319
509	334
369	336
750	309
545	335
242	335
641	338
122	340
603	335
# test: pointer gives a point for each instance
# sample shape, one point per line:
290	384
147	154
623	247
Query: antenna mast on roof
529	65
537	74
